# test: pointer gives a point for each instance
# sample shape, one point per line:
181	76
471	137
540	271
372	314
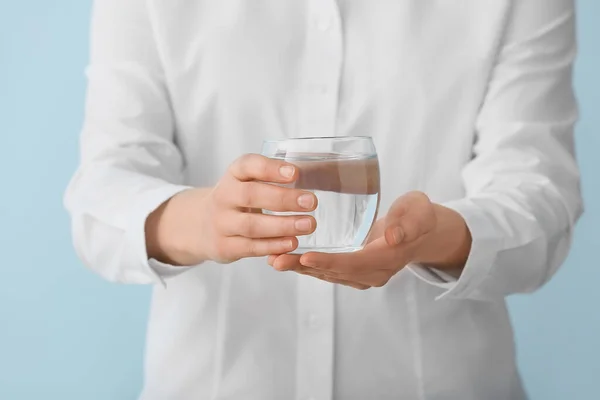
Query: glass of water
343	172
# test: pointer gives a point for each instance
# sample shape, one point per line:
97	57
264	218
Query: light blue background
66	334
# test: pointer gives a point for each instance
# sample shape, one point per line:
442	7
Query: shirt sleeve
522	185
129	161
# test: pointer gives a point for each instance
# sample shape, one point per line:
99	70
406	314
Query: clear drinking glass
343	172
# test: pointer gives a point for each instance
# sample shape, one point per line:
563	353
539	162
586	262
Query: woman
471	109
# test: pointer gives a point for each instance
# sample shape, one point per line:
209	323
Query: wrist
169	229
156	246
448	245
161	232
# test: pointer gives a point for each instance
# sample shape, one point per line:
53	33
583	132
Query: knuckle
218	194
247	226
263	165
411	229
418	195
245	160
218	222
236	165
246	194
222	251
284	200
242	165
252	248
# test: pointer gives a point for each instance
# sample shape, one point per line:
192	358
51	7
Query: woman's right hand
225	223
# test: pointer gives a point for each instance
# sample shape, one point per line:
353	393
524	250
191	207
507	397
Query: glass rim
329	138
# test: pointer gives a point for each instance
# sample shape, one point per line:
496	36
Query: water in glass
346	185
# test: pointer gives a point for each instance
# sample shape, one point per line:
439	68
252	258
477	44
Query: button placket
315	339
322	70
318	115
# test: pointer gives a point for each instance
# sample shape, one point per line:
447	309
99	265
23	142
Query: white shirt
469	101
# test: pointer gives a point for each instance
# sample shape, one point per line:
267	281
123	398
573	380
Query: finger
286	262
376	253
271	259
254	167
378	278
330	279
331	274
261	226
240	247
406	229
270	197
375	278
410	217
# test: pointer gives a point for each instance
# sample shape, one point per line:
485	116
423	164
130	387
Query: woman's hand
225	223
414	230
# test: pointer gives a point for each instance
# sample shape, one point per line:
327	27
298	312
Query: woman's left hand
393	243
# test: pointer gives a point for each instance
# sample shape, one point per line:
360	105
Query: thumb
410	216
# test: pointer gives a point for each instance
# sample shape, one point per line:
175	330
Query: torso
411	74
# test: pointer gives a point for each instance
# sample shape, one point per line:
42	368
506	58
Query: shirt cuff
148	270
486	243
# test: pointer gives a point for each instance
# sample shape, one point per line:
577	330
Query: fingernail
398	235
286	171
306	201
303	225
287	244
